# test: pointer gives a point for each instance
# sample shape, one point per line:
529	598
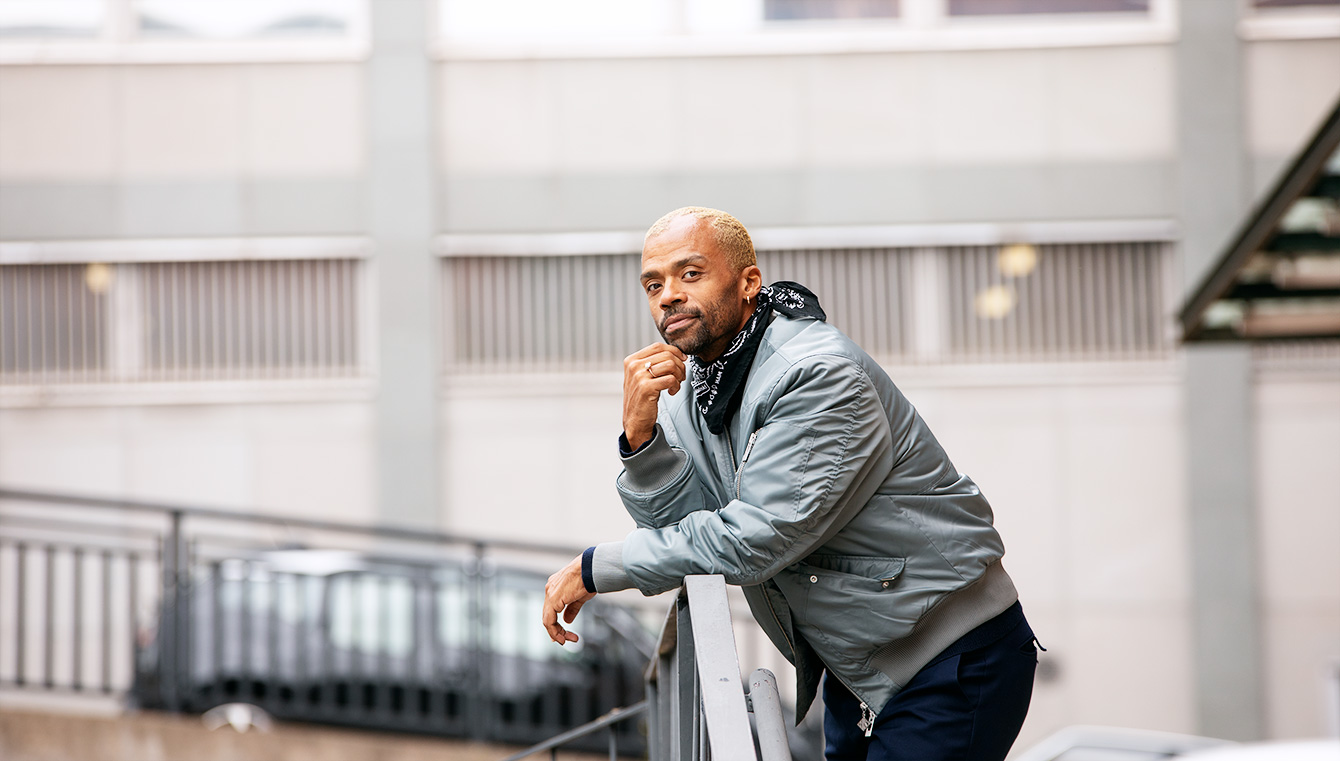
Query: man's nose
671	294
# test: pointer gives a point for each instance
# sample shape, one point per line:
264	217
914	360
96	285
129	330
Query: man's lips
674	322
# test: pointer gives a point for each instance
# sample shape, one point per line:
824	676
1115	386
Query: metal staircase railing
186	608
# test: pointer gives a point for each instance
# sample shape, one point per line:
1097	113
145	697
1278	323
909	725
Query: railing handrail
558	741
242	516
697	700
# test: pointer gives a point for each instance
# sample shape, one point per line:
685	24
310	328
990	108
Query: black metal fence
186	608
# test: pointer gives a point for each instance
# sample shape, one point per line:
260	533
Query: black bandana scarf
718	386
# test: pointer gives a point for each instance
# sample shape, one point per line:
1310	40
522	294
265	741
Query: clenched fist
646	373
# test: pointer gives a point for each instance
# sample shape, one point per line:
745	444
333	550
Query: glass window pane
1006	7
245	19
1290	3
546	19
50	18
776	10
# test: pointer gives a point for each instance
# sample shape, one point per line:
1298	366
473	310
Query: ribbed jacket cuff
607	568
588	580
654	465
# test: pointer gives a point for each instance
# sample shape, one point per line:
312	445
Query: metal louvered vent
954	305
180	321
53	325
862	290
542	313
1095	302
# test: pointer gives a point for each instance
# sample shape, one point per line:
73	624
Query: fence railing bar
105	661
771	727
48	616
240	516
613	717
77	641
20	612
727	720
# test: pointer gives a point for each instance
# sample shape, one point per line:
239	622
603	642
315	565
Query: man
791	464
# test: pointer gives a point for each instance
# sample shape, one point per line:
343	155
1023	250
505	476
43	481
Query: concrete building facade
385	273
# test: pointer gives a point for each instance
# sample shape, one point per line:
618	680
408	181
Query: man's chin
686	344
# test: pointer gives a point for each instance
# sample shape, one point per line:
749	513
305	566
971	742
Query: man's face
695	296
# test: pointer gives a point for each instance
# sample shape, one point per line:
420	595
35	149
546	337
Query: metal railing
696	705
184	609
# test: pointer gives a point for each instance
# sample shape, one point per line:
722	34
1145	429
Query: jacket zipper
867	722
739	471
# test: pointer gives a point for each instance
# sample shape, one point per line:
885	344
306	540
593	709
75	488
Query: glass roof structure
1279	279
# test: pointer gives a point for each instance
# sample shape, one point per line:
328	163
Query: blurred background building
376	261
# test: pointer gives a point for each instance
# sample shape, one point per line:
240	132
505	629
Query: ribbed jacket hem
953	617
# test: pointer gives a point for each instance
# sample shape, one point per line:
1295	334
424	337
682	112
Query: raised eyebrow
678	264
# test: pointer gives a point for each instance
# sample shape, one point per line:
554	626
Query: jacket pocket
854	603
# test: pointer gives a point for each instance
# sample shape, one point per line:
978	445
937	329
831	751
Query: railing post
481	664
684	717
771	727
171	628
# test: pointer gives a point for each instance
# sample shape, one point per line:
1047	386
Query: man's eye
692	273
651	287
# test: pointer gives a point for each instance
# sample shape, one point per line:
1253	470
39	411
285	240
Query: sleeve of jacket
658	485
823	450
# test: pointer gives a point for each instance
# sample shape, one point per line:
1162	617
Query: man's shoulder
796	343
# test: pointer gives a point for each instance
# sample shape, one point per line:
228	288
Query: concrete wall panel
296	459
1290	86
304	120
181	121
1298	503
58	123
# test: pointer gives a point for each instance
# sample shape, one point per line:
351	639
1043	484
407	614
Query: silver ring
648	366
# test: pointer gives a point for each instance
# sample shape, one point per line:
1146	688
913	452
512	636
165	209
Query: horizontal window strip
181	321
938	305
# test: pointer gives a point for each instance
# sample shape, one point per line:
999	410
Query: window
774	10
244	19
1005	7
51	18
149	31
526	29
1293	3
1291	20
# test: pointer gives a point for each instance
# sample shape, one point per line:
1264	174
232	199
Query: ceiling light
1017	259
995	302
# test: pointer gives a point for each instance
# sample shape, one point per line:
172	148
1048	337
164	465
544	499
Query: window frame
1303	22
119	43
925	25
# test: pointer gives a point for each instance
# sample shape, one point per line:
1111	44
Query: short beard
719	321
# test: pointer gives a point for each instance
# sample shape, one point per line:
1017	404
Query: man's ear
751	279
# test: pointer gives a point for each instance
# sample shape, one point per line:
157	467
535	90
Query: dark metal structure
1280	276
184	609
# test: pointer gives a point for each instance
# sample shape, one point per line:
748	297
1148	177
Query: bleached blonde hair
731	236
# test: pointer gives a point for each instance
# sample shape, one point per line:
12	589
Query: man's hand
564	593
646	373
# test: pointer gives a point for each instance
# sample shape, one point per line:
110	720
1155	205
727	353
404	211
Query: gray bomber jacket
858	544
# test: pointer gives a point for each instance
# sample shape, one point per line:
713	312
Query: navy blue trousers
966	705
